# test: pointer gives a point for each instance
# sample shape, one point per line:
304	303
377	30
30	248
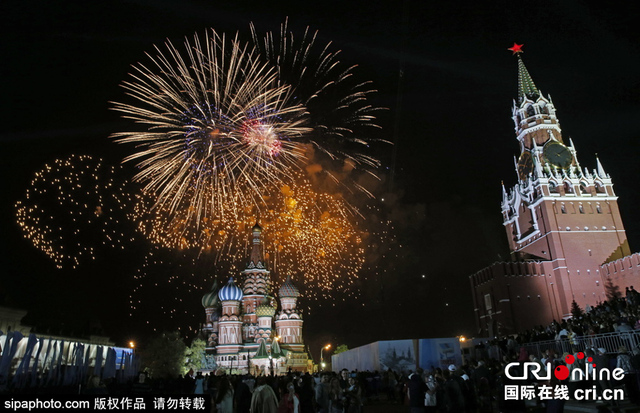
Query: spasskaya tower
562	222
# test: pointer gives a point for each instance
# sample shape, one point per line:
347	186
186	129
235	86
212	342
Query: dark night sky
63	61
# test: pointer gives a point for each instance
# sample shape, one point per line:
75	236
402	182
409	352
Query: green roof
262	351
526	87
275	349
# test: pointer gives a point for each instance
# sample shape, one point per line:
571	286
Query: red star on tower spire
517	48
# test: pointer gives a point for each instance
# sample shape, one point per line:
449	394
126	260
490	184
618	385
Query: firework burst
231	131
222	120
73	208
219	127
336	101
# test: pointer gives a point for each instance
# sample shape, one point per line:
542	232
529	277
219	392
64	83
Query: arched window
531	111
583	189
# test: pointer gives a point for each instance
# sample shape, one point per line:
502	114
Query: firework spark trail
219	127
228	119
73	207
305	233
181	276
337	102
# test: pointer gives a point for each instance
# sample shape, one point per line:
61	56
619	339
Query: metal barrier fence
609	341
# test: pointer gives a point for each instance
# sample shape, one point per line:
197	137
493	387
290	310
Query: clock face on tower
557	154
525	165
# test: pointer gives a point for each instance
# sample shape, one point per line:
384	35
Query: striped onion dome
210	299
287	289
230	292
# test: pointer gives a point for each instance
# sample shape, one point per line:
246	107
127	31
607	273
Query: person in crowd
336	397
353	395
623	361
601	360
264	399
322	394
306	394
523	355
468	392
344	379
224	396
453	397
391	383
430	398
289	403
189	382
417	389
555	405
243	396
200	384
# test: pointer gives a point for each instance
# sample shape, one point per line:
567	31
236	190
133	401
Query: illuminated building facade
244	330
564	228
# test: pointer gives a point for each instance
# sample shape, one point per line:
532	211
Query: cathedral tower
289	319
256	286
230	324
211	303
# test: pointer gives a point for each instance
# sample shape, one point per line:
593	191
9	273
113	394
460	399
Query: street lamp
327	347
270	365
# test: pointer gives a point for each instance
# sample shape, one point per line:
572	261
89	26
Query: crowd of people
291	393
476	386
616	315
467	388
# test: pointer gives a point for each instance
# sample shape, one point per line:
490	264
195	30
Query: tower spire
526	87
600	170
256	246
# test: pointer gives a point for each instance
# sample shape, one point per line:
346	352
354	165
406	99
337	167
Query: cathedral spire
256	259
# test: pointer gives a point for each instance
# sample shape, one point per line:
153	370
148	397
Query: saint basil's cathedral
244	330
564	228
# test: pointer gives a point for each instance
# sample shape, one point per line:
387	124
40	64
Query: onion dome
256	228
287	289
230	292
210	299
266	309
